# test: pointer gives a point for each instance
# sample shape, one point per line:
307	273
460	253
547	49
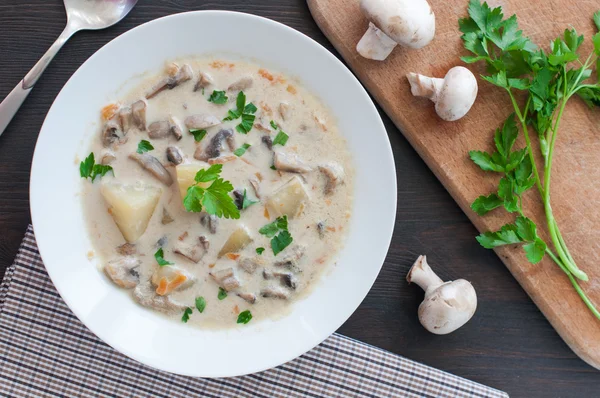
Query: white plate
63	241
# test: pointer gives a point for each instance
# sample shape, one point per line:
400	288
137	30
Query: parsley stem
523	121
578	289
552	224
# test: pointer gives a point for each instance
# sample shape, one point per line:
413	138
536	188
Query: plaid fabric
46	352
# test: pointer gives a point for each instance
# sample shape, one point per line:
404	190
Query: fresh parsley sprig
215	198
243	110
89	169
547	79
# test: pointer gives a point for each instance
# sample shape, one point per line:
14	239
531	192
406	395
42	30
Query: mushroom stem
425	86
375	44
422	274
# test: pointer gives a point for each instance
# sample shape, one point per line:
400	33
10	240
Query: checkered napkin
45	351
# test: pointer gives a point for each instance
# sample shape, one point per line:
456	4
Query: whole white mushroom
447	305
410	23
453	95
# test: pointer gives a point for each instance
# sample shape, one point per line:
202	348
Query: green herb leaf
590	95
193	199
260	250
271	229
241	150
216	200
218	97
160	259
86	167
144	146
506	136
485	161
240	102
222	294
246	112
101	170
535	251
246	202
274	125
597	19
484	204
247	123
273	167
244	317
507	235
198	134
232	115
250	108
186	315
506	191
526	229
281	138
281	241
524	178
210	174
200	304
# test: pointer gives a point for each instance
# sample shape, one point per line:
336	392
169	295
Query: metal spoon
81	15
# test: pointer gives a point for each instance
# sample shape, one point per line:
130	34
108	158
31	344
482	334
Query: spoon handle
13	101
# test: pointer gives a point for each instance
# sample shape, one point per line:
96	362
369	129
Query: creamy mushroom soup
219	192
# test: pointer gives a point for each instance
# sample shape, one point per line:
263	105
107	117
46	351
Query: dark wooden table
508	344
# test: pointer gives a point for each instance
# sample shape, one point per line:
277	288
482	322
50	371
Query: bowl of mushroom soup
215	208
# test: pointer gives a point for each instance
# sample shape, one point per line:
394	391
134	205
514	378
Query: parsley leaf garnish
218	97
278	231
186	315
88	168
246	201
144	146
198	134
215	198
281	241
210	174
222	294
200	304
260	250
243	110
241	150
244	317
269	230
160	259
281	138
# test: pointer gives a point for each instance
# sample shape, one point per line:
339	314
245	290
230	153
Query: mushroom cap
457	95
448	307
410	23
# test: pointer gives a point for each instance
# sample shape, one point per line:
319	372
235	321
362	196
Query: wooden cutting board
444	145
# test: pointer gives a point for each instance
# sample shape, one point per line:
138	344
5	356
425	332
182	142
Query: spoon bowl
96	14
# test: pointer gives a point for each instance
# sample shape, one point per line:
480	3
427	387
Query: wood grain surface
508	344
444	145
